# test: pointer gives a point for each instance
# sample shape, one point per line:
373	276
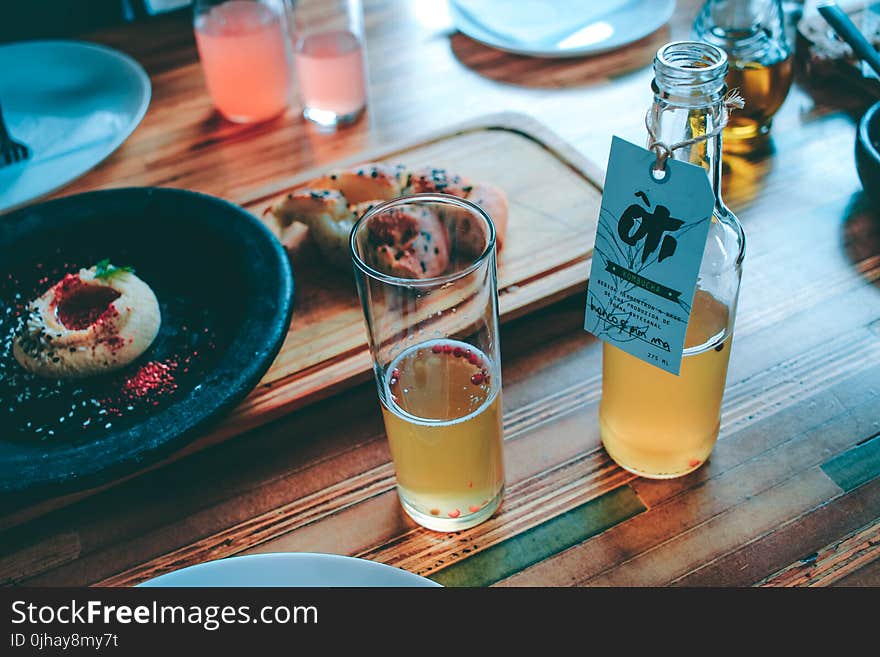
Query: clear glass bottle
752	33
653	423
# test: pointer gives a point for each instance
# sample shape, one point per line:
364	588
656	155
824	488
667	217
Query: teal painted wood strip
544	540
855	466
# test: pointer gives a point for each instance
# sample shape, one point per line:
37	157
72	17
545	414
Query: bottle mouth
689	64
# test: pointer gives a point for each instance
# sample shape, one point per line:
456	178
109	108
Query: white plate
290	569
559	28
73	103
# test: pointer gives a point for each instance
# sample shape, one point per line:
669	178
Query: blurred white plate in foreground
290	569
73	104
559	28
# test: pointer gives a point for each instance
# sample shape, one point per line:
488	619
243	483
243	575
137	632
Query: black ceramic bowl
868	152
225	290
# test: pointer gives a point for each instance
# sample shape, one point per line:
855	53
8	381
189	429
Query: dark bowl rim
250	376
864	138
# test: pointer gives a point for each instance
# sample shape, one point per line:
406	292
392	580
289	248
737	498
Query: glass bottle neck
675	120
748	30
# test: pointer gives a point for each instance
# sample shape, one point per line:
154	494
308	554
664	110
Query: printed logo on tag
649	246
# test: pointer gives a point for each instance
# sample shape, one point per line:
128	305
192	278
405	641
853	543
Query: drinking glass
243	46
434	344
328	47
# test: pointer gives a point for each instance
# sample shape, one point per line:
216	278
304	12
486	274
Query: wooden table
791	494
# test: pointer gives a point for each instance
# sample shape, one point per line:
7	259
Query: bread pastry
331	204
374	181
327	214
407	242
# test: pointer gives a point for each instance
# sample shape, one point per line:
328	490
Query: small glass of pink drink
243	45
330	60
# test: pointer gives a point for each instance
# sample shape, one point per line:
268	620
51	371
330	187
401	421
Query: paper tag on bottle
649	246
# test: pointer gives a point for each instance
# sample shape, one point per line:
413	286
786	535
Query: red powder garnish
80	305
693	463
152	379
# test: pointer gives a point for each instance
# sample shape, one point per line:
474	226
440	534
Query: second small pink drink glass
330	61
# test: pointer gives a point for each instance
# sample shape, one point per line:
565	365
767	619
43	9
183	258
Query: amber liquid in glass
659	425
764	88
442	412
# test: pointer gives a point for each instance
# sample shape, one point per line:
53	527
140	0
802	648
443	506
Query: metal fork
11	151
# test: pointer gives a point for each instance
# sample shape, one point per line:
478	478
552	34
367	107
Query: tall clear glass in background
653	423
752	33
436	358
330	56
243	47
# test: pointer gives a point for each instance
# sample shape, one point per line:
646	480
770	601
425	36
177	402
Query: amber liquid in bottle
660	425
763	87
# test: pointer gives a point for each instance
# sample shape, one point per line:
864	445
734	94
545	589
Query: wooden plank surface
791	494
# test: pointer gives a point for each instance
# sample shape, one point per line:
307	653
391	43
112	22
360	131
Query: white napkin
53	136
538	22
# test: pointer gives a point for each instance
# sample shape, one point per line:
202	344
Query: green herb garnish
105	270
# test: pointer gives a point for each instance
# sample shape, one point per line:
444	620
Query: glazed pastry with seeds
326	212
489	197
375	181
408	242
433	179
331	204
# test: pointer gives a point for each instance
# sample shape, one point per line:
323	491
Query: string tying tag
732	100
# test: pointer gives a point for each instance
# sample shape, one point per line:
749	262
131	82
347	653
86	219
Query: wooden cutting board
554	194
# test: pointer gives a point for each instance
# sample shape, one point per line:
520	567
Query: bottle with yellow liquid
752	33
653	423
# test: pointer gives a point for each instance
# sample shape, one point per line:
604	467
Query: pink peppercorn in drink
243	48
442	412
